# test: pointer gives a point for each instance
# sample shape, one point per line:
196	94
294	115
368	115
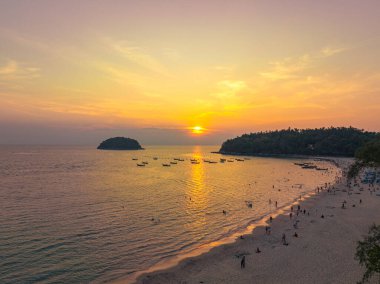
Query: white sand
323	252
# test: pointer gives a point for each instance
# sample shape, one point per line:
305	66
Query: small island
120	143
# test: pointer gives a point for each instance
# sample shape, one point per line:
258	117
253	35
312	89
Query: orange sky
129	67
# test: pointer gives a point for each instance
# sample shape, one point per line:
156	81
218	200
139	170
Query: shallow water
77	214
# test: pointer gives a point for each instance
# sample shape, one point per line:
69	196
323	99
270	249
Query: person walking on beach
284	242
242	263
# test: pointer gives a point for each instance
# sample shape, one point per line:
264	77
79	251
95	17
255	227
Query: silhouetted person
242	263
295	235
258	250
284	242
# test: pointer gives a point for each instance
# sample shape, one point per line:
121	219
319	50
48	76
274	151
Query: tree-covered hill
120	143
333	141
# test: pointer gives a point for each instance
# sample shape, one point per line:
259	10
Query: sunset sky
74	72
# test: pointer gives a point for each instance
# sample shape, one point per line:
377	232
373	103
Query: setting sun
197	129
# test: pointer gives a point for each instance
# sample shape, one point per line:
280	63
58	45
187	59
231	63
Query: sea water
77	214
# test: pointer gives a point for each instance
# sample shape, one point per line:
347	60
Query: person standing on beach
284	242
242	263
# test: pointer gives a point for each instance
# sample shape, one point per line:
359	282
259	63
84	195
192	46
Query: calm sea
77	214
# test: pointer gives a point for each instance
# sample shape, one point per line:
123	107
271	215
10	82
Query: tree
368	253
367	155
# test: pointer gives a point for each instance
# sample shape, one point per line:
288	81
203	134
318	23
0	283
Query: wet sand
323	252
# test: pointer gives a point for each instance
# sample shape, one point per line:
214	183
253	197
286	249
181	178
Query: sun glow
197	129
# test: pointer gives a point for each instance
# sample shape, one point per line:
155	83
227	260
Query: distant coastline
321	142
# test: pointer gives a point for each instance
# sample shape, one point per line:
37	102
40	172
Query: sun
197	129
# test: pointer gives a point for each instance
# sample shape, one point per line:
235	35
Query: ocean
77	214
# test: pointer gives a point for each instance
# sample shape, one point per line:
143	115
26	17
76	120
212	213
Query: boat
240	160
134	159
141	165
145	163
222	160
309	167
173	163
166	165
155	158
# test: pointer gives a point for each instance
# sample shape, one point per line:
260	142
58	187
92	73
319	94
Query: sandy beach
323	252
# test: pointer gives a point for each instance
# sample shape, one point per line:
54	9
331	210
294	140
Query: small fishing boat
166	165
322	169
134	159
141	165
173	163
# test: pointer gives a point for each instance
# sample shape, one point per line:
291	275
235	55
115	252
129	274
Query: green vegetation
368	253
340	141
366	156
120	143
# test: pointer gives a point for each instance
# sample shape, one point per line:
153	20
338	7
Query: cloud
293	67
138	56
287	68
171	53
330	51
13	71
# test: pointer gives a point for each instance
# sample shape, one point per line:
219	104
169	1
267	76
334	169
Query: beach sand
323	252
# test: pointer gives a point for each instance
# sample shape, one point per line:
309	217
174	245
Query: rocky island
120	143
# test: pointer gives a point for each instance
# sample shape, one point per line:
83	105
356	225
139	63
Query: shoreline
174	261
286	156
322	253
166	266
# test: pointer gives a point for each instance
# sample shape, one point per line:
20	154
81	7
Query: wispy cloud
138	55
287	68
229	88
295	67
330	51
13	71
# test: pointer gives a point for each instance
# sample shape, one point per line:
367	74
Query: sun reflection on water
197	201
